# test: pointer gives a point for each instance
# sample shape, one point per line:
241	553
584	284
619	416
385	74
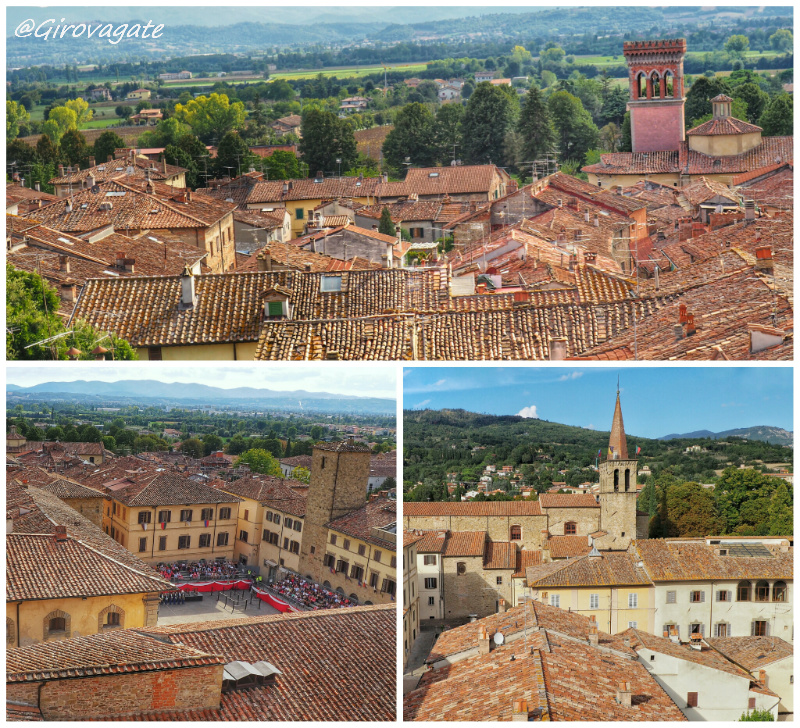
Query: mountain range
764	433
172	392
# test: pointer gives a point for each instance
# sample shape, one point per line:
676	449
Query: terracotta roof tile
752	653
500	555
564	547
273	492
610	569
377	513
568	500
431	542
725	125
525	559
465	543
486	508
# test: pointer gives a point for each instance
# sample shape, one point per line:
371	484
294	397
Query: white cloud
567	377
528	412
441	382
590	427
419	405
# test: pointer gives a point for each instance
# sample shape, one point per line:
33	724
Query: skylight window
330	284
64	240
433	174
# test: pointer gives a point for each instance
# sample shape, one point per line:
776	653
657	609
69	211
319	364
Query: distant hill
177	392
763	433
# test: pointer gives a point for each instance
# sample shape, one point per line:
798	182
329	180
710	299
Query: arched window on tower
627	480
669	84
655	80
616	480
640	89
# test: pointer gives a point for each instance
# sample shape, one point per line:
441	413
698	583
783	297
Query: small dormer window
330	284
274	309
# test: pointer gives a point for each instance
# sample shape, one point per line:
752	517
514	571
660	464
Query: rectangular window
743	592
142	545
298	526
162	543
594	601
164	516
429	559
144	516
751	703
184	541
224	514
633	601
723	596
286	543
376	555
356	572
330	284
691	700
759	628
333	539
205	540
721	630
294	547
671	597
499	580
393	562
186	515
633	625
275	309
431	601
555	600
328	560
362	549
389	587
697	628
346	544
298	213
287	522
342	566
222	539
246	514
273	539
243	536
154	353
373	580
277	520
265	536
430	583
697	597
207	514
269	516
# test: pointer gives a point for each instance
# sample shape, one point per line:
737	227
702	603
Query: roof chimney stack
596	220
624	694
502	606
188	298
594	636
483	641
60	533
69	291
63	263
558	348
520	710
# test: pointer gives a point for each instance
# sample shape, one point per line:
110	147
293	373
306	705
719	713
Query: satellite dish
498	638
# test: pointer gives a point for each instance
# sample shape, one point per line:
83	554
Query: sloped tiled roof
500	555
40	567
336	664
568	500
465	543
486	508
377	513
431	542
117	169
675	560
752	653
121	651
564	547
167	488
526	558
441	181
725	125
611	569
273	492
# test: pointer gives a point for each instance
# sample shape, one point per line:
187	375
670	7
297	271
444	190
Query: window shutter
766	629
691	700
702	596
752	629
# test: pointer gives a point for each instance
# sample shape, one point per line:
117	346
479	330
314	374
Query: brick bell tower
655	75
617	490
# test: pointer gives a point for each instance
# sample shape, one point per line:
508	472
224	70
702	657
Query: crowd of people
193	570
310	594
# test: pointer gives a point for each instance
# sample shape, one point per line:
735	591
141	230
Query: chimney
483	641
572	203
596	220
762	677
285	188
473	617
677	330
594	636
690	329
749	210
520	710
110	158
60	170
545	538
558	348
480	289
77	167
92	162
619	190
398	233
560	202
69	291
60	533
682	313
586	214
502	606
188	298
624	694
388	262
626	641
68	206
63	263
764	259
188	195
684	229
673	635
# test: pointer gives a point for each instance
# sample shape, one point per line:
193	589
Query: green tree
59	121
211	443
193	448
109	443
233	156
780	513
105	145
538	136
302	474
782	40
447	133
756	715
488	118
325	139
316	433
281	165
692	511
73	147
237	445
575	130
386	225
778	117
756	100
260	461
412	137
81	108
173	154
698	98
16	115
211	117
737	46
30	316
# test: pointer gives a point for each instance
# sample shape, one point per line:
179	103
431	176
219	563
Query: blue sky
656	401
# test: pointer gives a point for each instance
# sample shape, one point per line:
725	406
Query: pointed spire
617	443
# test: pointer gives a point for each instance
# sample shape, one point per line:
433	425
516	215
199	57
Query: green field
101	123
347	71
618	60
